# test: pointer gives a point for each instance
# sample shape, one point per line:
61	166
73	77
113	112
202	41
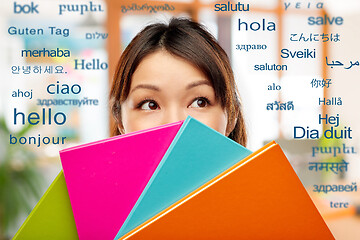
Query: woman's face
165	89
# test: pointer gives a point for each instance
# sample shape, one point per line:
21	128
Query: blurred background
26	170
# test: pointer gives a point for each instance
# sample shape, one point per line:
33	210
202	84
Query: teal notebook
196	155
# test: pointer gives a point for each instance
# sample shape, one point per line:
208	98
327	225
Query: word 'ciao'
22	94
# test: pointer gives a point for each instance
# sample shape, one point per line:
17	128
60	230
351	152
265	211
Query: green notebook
52	217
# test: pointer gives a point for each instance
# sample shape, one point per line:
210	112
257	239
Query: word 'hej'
331	133
38	31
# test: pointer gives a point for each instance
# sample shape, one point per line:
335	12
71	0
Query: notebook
197	154
52	217
260	197
105	178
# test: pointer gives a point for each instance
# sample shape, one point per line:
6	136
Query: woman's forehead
163	68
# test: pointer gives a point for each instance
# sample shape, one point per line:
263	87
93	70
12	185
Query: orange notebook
260	197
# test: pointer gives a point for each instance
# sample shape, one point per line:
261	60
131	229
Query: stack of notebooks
178	181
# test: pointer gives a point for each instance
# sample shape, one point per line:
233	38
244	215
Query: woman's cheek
136	120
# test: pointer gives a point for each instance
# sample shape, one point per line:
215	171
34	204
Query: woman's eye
199	103
149	105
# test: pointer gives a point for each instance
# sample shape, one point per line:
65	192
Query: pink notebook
105	178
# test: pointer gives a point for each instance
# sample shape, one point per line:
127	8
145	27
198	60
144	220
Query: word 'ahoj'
22	94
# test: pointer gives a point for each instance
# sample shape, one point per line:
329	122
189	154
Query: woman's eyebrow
195	84
146	86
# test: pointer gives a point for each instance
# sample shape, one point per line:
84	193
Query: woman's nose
174	114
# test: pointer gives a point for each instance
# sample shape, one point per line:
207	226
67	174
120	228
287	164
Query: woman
171	71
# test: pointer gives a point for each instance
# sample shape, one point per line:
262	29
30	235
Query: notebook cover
105	178
52	217
197	154
261	197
